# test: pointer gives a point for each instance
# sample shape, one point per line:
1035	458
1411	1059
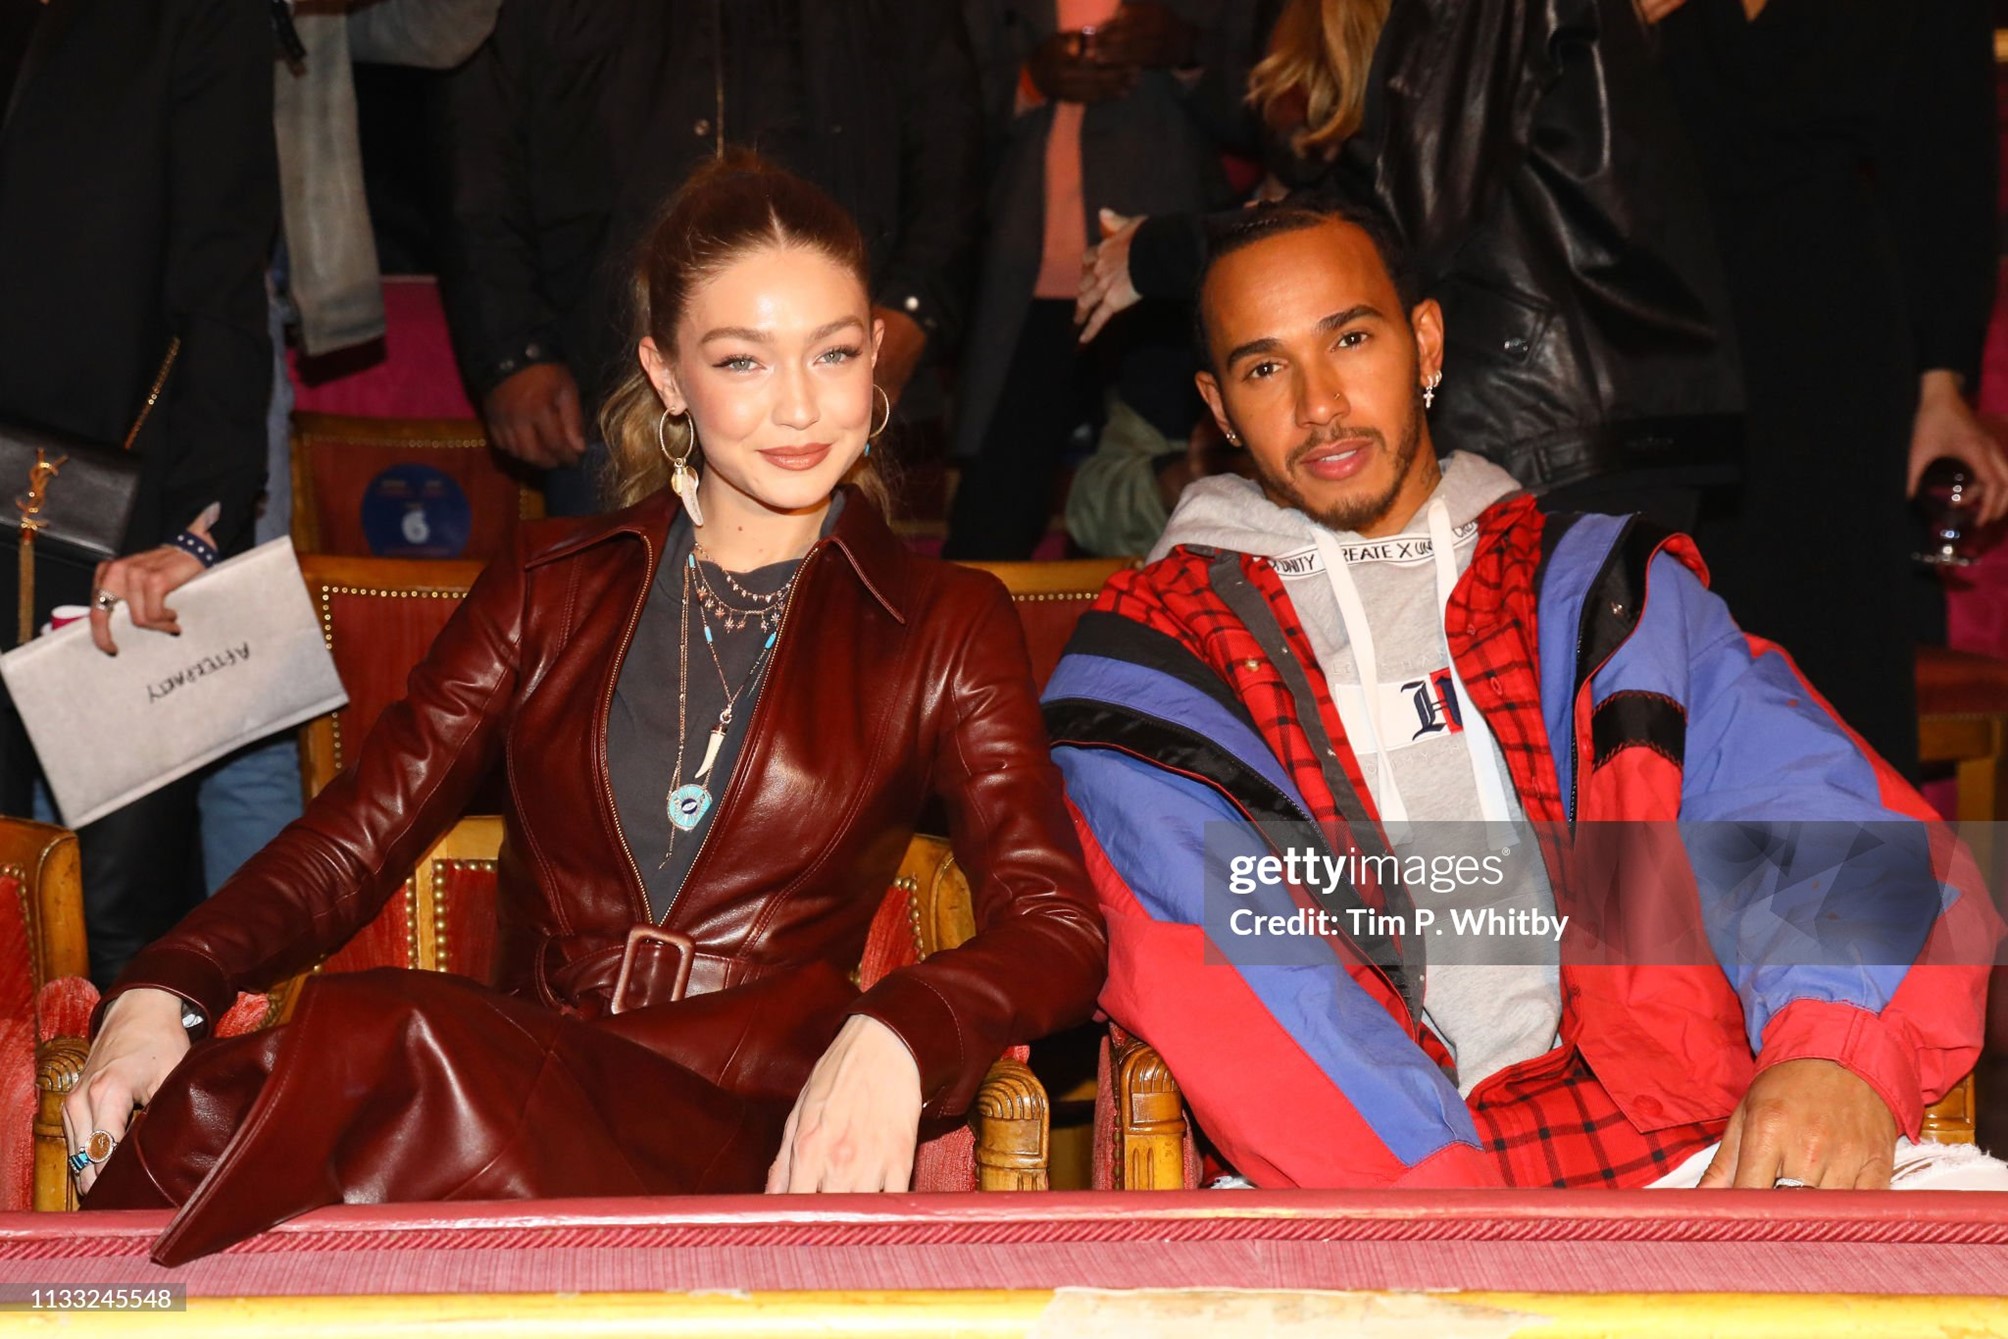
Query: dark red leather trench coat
896	678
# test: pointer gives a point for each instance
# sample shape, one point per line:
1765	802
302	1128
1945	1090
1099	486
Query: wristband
195	547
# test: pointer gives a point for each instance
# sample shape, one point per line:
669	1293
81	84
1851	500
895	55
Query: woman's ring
100	1146
79	1161
105	600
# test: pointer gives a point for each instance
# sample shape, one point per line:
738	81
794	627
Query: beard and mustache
1353	512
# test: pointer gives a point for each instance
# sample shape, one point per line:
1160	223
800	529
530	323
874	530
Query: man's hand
144	581
857	1121
534	416
898	352
1106	289
1062	74
1146	34
138	1047
1812	1121
1945	426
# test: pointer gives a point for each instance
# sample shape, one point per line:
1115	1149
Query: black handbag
74	502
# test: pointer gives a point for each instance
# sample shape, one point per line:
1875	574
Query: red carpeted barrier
1638	1241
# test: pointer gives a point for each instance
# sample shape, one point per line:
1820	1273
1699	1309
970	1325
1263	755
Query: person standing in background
1093	107
1530	159
1850	153
326	278
139	198
580	117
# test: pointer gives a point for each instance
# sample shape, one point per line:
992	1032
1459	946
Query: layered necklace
689	801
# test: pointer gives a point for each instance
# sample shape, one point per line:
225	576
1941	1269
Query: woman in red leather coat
720	712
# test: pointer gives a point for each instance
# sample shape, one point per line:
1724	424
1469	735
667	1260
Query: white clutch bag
249	662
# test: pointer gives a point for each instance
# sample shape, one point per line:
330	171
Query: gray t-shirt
641	725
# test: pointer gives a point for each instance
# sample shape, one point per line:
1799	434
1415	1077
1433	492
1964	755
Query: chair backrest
1050	598
41	941
379	616
336	458
443	920
41	912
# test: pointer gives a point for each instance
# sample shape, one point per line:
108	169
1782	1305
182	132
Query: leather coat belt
652	966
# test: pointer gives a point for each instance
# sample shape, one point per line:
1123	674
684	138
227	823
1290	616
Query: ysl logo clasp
31	502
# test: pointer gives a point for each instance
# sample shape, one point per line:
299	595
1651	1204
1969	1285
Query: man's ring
105	600
79	1161
100	1146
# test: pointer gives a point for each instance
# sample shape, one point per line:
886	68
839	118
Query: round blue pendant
687	805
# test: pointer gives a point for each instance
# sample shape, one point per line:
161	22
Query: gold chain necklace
765	610
689	801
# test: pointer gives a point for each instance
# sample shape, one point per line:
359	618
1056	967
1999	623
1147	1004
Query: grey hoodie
1433	768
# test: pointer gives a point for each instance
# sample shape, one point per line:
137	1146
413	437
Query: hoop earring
884	422
1429	389
682	475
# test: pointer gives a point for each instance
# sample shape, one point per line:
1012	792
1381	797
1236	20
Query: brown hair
726	209
1313	82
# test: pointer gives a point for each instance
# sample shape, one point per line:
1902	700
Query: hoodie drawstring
1353	613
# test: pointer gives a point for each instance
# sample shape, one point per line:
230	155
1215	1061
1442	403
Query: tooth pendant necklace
689	801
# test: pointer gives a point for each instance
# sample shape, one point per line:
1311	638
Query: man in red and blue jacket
1773	948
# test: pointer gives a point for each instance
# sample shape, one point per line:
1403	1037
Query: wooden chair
42	991
1962	719
444	920
379	616
335	457
1006	1140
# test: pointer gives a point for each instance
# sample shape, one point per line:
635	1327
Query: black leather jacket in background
1530	158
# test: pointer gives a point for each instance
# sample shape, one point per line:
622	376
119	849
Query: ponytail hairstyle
727	209
1313	82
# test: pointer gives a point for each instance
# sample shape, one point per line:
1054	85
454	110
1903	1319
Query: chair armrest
58	1062
1012	1121
1950	1119
1150	1118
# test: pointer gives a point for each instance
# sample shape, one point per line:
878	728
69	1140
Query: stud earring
682	475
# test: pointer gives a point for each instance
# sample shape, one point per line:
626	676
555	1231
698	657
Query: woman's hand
138	1047
144	581
1945	426
856	1123
1105	276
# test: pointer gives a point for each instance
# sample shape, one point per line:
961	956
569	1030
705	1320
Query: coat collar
882	564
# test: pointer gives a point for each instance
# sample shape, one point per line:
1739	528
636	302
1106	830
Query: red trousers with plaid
1549	1122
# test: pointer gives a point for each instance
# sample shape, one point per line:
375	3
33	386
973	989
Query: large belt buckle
683	944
